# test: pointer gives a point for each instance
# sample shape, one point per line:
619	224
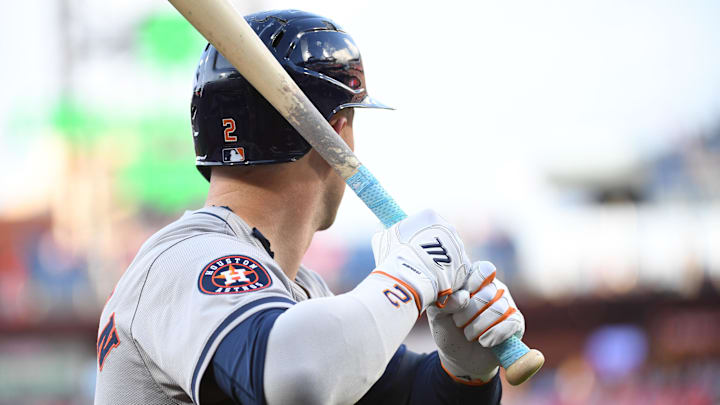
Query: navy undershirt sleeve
409	378
418	379
239	360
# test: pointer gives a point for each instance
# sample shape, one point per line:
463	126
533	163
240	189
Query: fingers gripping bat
223	26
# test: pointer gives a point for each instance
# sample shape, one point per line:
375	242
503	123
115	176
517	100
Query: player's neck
283	214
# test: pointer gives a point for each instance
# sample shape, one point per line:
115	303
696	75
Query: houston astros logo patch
233	275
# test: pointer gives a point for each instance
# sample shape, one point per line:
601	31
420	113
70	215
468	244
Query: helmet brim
367	102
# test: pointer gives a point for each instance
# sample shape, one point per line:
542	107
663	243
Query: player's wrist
435	249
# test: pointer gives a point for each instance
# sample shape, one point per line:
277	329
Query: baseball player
217	308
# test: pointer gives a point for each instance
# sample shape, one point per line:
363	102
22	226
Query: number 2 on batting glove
437	246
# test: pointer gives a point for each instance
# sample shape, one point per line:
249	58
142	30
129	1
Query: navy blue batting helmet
234	125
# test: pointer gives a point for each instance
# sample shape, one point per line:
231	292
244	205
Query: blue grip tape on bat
366	186
518	360
509	351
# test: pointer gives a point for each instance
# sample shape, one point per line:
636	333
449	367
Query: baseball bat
224	27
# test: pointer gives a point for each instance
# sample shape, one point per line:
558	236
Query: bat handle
368	188
518	360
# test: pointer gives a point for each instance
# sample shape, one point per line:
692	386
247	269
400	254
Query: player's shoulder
195	280
313	283
209	252
223	249
207	231
205	221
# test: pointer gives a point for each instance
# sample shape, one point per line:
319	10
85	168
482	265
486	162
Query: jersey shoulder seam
218	217
254	241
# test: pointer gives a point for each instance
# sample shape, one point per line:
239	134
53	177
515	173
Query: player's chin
332	204
326	224
329	218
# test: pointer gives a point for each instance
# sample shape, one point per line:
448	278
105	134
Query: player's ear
338	122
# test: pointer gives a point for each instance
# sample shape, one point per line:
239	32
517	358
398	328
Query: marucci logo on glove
233	275
441	252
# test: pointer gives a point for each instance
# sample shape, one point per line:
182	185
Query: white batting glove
426	252
483	311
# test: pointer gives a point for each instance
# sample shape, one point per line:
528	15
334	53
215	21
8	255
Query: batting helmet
234	125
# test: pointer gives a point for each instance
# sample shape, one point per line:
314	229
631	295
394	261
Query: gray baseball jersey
190	284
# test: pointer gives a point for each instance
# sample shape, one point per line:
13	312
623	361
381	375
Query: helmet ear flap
205	171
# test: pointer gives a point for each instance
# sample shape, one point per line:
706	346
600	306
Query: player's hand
425	251
482	312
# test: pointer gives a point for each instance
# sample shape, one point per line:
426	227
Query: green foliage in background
151	144
79	125
163	174
159	171
168	40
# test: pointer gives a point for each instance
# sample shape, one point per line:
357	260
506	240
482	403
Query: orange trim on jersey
505	316
443	294
406	285
475	383
497	296
484	284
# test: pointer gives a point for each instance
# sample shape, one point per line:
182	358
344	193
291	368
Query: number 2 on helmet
229	125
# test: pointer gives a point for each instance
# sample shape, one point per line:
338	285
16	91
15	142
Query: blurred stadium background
576	145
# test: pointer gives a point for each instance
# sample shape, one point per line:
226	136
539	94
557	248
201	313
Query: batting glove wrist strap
424	250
